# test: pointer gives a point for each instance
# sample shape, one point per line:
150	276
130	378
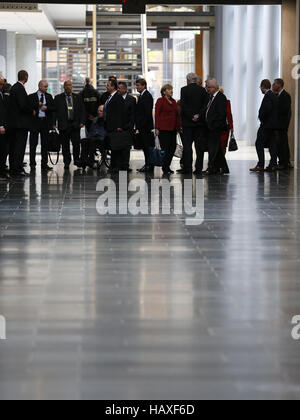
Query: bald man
43	121
70	117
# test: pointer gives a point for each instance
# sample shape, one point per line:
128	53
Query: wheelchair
95	154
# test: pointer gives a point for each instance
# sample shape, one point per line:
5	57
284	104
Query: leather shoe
271	169
257	169
184	172
197	172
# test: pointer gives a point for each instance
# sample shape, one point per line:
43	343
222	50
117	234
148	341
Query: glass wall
170	60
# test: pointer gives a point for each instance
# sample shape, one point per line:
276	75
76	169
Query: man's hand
34	113
119	130
44	108
81	125
2	131
157	132
196	117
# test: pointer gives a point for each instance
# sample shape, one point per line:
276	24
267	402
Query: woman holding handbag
167	124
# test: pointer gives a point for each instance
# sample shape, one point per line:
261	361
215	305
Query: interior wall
248	50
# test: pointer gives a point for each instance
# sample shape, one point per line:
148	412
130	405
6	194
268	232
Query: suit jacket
194	100
144	112
115	113
216	117
167	116
269	111
50	113
20	111
130	110
285	110
61	112
3	110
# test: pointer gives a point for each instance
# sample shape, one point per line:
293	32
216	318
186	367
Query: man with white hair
43	104
193	103
216	121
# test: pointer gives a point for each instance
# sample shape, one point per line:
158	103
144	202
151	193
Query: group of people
115	120
275	116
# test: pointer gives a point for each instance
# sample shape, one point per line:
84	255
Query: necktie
42	98
70	108
105	107
209	105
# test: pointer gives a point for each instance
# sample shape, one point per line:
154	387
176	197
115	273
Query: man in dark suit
91	100
3	132
115	121
144	121
266	136
106	94
70	116
193	101
20	114
215	115
285	116
42	123
130	110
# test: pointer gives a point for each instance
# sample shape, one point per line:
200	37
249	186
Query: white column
228	56
270	40
11	58
144	45
26	53
254	71
239	97
206	50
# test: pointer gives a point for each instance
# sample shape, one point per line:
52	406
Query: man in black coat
3	132
144	121
105	95
91	99
44	107
115	121
20	114
70	116
194	99
285	116
130	110
266	136
216	120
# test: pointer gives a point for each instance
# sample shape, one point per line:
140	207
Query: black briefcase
54	145
53	142
120	140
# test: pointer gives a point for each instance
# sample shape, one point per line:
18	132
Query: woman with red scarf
226	134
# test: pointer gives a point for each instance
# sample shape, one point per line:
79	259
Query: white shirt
280	92
42	114
125	96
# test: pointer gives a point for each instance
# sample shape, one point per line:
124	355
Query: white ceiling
43	22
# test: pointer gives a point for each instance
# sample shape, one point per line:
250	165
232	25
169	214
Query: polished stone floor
145	307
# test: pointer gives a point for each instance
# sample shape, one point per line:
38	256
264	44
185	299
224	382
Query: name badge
70	108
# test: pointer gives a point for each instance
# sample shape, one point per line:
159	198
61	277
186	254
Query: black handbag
120	140
54	145
233	147
156	157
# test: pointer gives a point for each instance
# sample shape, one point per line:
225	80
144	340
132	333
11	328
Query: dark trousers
283	148
147	142
17	148
217	158
4	147
266	138
34	139
72	134
168	143
120	159
191	135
